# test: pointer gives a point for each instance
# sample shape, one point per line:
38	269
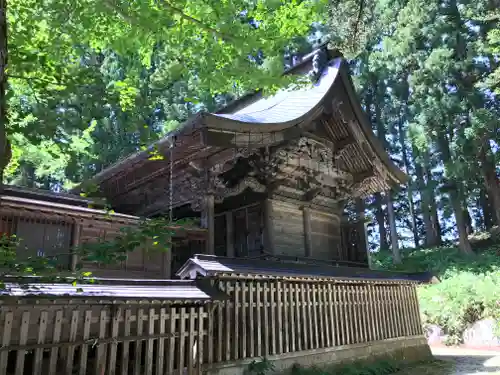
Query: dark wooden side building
269	176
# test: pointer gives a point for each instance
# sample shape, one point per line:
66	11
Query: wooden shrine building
267	175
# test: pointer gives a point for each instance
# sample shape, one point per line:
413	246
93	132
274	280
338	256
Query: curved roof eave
228	123
398	175
295	107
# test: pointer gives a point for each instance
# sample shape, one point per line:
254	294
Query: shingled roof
162	290
202	265
137	183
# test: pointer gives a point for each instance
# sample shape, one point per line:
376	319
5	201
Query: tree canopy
91	82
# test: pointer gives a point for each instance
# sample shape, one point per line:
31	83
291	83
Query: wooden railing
262	318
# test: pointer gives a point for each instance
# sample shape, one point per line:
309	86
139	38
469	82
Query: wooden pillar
268	227
229	234
209	213
306	214
363	229
75	242
167	263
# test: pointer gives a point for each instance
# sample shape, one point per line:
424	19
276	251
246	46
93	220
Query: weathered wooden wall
55	234
293	230
140	263
325	236
288	229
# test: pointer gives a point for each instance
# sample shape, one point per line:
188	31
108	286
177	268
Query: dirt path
459	362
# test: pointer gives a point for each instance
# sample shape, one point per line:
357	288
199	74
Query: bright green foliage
468	290
131	71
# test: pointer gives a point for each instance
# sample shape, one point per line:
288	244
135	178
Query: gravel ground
459	362
470	362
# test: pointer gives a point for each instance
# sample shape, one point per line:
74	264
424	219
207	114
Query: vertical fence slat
217	344
383	315
404	306
310	323
293	310
315	315
260	307
365	312
418	324
85	348
321	305
355	308
339	318
273	319
251	307
115	325
236	333
244	321
390	310
73	330
279	316
100	360
150	342
171	341
228	331
56	336
42	331
411	311
372	321
160	357
138	344
182	340
199	360
220	339
193	347
331	316
298	317
348	313
286	310
265	292
23	339
126	345
8	318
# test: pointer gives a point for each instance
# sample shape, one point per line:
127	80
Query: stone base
408	349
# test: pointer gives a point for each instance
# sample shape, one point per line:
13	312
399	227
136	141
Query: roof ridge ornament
319	63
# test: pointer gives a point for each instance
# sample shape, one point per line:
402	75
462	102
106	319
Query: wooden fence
269	318
261	318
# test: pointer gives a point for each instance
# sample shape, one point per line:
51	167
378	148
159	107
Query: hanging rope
171	188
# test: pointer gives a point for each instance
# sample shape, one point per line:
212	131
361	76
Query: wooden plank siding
288	226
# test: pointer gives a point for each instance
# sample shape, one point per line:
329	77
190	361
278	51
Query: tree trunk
378	103
4	144
428	204
406	162
391	216
491	182
484	203
435	226
456	199
463	239
380	216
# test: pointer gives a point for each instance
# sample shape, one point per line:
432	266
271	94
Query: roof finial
319	62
